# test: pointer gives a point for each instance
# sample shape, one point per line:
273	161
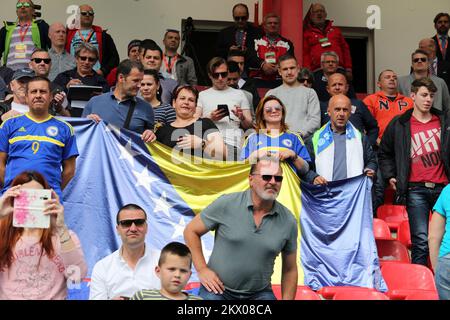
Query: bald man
95	35
61	59
338	150
440	69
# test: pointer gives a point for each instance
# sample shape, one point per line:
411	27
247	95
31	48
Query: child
174	271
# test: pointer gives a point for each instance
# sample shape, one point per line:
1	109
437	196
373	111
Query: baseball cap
23	73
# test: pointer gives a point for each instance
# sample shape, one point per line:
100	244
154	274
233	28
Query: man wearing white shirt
230	126
131	268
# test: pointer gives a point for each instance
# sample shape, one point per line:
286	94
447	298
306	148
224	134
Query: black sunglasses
240	18
303	80
128	223
216	75
87	58
87	13
420	59
39	60
268	177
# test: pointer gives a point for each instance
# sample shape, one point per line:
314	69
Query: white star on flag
112	128
144	179
178	228
127	153
161	205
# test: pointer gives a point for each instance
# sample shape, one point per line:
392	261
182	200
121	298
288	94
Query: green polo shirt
244	255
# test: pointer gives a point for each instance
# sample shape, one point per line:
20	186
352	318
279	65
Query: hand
94	117
6	201
238	113
74	82
211	281
100	72
320	181
269	68
10	114
190	142
370	173
286	155
55	209
148	136
58	100
393	183
217	115
378	142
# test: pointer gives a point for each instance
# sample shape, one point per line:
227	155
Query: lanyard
88	38
172	63
23	34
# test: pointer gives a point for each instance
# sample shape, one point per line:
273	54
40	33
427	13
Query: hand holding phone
223	108
29	209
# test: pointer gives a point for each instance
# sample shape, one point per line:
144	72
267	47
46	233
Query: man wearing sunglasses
108	57
19	39
130	268
420	70
252	229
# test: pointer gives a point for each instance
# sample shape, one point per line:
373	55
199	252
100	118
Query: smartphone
29	209
224	107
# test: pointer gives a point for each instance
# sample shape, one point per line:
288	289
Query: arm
3	159
437	230
445	98
370	158
370	124
68	171
192	233
110	55
306	51
346	58
289	276
313	115
191	75
246	119
98	289
386	153
215	147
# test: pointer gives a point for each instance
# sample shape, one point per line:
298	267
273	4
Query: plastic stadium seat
423	295
262	91
393	215
381	230
404	279
392	251
329	292
305	293
389	195
404	234
360	295
193	287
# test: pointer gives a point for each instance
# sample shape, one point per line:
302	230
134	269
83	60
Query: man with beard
442	25
251	228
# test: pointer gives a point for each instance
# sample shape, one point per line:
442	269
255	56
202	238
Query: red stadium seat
329	292
381	230
360	295
389	195
393	215
192	285
262	92
392	251
404	279
404	234
423	295
305	293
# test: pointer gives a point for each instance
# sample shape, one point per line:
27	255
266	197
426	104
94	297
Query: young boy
174	271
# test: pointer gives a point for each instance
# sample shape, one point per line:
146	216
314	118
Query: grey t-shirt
340	157
243	255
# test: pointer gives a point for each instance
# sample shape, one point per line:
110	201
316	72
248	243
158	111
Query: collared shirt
115	112
21	48
60	62
112	276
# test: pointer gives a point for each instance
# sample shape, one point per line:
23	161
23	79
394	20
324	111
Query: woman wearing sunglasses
272	138
36	264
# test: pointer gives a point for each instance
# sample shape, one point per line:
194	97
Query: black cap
23	73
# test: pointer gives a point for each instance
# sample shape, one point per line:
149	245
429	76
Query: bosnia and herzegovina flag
115	168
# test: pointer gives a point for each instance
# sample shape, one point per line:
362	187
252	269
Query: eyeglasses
273	109
216	75
307	80
129	223
39	60
268	177
87	58
21	5
330	62
420	59
245	18
87	13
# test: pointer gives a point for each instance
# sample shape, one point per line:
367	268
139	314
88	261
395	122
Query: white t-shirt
112	277
228	127
22	108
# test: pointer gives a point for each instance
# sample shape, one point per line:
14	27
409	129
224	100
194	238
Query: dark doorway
358	50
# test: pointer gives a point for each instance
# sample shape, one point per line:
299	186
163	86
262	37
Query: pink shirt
25	281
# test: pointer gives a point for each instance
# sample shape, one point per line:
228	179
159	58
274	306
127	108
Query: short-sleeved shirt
442	207
115	112
37	145
86	36
164	115
244	255
156	295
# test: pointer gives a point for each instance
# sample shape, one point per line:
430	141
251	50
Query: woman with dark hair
272	137
151	92
196	136
37	264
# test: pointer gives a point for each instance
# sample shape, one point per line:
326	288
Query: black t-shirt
169	135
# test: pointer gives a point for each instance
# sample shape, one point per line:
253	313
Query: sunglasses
420	59
87	13
39	60
21	5
240	18
303	80
268	177
273	109
88	58
129	223
216	75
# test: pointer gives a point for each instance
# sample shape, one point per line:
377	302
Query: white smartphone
29	209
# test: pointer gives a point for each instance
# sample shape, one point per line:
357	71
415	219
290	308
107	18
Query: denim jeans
266	294
419	203
442	277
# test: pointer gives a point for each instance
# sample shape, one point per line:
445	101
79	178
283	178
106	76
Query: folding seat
329	292
381	230
193	287
393	215
305	293
360	295
404	234
392	251
389	195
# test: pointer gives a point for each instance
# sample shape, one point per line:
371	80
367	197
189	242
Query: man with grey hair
61	59
329	62
252	229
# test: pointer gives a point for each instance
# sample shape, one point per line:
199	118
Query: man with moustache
442	25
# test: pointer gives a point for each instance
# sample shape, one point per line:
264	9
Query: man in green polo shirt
251	229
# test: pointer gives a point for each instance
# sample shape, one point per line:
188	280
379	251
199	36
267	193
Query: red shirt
426	163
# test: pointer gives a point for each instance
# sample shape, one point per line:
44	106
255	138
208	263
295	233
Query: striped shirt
20	50
61	62
156	295
164	115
